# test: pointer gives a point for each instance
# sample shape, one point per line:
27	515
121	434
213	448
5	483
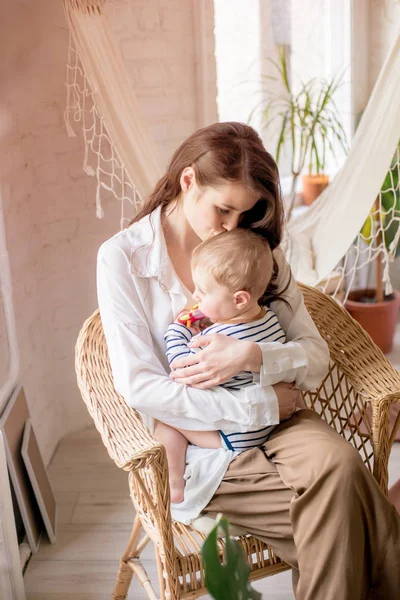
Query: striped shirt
265	329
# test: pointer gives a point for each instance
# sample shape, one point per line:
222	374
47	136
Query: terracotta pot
313	186
379	319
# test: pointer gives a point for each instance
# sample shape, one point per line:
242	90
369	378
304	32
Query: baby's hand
203	323
195	329
197	326
181	314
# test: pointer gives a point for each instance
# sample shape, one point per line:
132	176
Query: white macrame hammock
323	245
119	150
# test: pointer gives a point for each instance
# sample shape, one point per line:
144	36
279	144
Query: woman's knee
336	459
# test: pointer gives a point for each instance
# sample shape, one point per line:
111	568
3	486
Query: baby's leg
203	439
175	444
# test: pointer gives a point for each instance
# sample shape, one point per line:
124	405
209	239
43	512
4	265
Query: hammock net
119	151
354	221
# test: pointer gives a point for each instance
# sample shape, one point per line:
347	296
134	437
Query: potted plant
310	122
375	311
226	579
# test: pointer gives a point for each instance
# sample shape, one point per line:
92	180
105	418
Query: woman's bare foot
177	490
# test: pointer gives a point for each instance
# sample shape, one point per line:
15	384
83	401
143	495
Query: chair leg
123	581
144	579
125	573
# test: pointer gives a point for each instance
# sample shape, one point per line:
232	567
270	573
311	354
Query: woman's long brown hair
229	152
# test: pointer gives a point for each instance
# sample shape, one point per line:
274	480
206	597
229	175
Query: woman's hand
288	397
222	358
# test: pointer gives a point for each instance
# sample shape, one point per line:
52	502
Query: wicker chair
354	398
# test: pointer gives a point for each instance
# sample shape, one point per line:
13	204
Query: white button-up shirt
139	294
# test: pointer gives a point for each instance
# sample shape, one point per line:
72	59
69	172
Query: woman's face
213	210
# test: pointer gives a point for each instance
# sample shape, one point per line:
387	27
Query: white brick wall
158	42
52	232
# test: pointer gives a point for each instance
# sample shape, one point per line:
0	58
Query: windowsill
299	210
286	184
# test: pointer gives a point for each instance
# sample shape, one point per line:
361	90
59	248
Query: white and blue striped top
265	329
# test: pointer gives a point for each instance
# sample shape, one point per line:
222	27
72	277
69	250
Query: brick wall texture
49	211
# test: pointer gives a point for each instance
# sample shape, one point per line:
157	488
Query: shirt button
275	367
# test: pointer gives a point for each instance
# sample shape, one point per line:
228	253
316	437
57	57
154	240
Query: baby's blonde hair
237	259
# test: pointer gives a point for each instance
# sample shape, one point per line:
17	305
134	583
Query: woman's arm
142	380
304	358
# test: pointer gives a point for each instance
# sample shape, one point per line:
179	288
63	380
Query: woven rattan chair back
356	395
354	398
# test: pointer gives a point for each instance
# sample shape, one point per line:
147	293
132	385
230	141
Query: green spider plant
307	119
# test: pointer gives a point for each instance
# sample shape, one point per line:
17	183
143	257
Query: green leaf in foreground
228	580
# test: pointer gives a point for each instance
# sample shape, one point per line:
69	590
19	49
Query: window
318	36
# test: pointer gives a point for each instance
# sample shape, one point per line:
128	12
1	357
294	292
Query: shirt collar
149	253
149	256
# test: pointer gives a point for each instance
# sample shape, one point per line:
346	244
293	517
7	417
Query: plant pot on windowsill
313	186
377	318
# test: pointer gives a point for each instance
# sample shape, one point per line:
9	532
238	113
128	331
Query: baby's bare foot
177	487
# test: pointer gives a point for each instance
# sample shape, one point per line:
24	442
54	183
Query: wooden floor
94	522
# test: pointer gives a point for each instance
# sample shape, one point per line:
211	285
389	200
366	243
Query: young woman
306	491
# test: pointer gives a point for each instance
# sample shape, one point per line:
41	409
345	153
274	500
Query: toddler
231	272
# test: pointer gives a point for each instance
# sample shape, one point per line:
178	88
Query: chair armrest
366	368
351	348
121	427
150	493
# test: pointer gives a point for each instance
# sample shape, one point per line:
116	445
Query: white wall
384	27
52	232
158	40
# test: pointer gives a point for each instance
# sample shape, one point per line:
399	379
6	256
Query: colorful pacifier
191	317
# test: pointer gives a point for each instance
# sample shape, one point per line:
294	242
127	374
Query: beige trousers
308	495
